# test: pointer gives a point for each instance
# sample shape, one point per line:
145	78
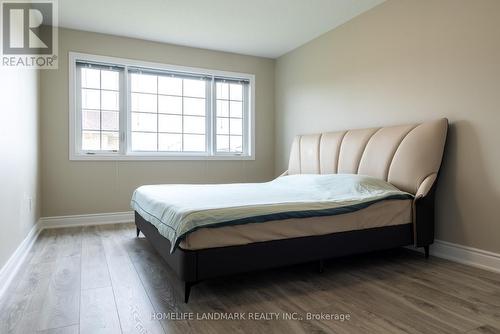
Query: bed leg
426	250
137	231
321	266
187	290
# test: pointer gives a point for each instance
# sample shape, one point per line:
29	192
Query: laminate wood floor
102	279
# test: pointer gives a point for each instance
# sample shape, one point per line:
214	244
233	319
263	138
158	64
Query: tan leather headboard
408	156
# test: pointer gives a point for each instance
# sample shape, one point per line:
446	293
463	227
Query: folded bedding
382	214
177	210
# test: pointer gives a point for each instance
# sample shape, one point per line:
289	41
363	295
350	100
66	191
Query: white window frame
125	152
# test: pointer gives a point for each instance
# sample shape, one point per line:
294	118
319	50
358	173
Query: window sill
115	157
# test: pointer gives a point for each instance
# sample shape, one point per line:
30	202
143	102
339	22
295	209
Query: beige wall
19	149
83	187
403	61
407	61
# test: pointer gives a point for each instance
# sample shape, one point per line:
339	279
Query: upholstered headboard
408	156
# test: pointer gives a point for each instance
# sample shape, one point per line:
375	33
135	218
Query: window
124	110
168	112
99	108
229	116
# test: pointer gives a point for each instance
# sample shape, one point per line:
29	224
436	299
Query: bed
344	192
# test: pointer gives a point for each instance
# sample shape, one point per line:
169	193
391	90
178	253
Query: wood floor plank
49	252
392	307
98	313
12	311
61	305
450	279
162	291
95	272
134	307
451	292
156	277
26	299
63	330
69	241
485	329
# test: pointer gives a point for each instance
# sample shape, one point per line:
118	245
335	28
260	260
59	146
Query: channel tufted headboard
408	156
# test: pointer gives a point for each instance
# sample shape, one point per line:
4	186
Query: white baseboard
87	220
466	255
13	264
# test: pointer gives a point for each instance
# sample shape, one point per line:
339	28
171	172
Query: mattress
384	213
178	211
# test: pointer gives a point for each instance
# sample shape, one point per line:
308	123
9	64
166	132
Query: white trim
156	66
471	256
125	153
251	124
152	157
72	119
87	220
16	260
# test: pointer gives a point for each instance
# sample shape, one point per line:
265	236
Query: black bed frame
193	266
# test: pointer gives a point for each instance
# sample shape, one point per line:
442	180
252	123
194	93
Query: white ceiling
268	28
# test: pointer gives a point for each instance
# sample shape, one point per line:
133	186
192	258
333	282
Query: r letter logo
29	36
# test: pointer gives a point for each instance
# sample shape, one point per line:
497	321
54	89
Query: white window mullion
100	111
124	112
246	121
77	114
182	117
210	112
157	115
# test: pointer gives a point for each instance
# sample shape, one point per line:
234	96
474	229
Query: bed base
193	266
